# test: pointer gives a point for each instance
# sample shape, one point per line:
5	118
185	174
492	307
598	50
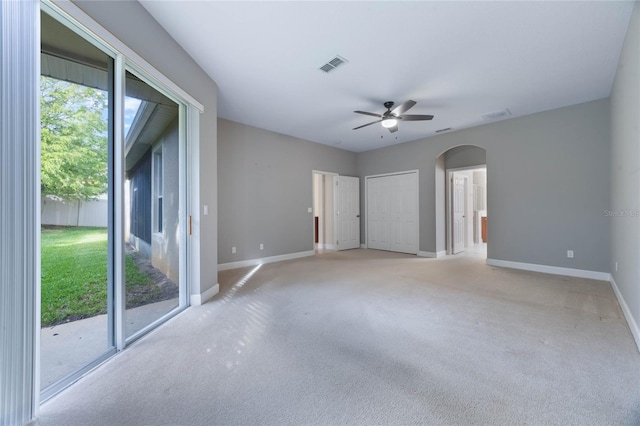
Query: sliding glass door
113	185
77	193
154	228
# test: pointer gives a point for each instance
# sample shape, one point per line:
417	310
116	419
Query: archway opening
462	202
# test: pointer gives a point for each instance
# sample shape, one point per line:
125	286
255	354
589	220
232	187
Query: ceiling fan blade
368	113
393	129
400	109
415	117
368	124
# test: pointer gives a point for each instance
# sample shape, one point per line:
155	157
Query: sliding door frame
115	118
71	16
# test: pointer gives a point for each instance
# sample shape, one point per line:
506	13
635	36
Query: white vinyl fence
74	213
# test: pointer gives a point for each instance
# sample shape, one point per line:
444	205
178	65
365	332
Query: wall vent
333	64
496	114
443	130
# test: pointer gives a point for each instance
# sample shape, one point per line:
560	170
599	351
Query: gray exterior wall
124	19
265	187
547	179
625	167
139	207
165	246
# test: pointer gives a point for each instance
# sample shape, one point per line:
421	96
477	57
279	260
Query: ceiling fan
390	117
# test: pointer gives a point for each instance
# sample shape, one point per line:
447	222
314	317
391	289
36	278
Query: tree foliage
73	140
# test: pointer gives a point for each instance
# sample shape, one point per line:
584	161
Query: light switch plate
309	210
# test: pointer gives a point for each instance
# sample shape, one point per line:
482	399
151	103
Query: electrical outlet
233	250
616	267
261	246
570	254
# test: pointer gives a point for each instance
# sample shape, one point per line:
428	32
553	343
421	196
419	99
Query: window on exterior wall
159	178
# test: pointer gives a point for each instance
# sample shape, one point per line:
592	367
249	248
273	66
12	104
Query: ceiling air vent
333	64
443	130
496	114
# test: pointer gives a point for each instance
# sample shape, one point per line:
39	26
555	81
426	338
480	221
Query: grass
74	274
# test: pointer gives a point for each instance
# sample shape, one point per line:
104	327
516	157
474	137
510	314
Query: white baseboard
327	246
199	299
432	254
633	325
254	262
569	272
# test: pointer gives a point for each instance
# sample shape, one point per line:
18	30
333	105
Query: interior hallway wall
265	188
548	175
624	207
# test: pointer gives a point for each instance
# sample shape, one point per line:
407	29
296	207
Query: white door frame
455	183
366	203
320	218
447	202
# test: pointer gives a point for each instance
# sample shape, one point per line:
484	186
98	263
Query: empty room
323	213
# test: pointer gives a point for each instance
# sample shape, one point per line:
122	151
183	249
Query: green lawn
74	274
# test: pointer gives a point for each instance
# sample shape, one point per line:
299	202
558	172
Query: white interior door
377	206
392	212
404	219
347	195
457	208
468	211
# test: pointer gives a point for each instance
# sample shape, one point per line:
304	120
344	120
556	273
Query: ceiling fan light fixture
389	122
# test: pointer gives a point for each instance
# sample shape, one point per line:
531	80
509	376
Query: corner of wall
202	298
633	325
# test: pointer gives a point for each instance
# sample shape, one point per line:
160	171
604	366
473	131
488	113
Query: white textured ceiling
458	60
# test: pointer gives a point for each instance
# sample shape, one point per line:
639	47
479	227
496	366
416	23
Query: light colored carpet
369	337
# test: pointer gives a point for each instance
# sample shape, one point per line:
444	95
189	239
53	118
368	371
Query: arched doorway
461	201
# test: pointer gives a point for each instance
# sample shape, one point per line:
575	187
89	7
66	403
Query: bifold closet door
392	212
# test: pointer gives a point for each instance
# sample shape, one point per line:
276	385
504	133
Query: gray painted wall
465	156
125	20
625	167
547	178
265	187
